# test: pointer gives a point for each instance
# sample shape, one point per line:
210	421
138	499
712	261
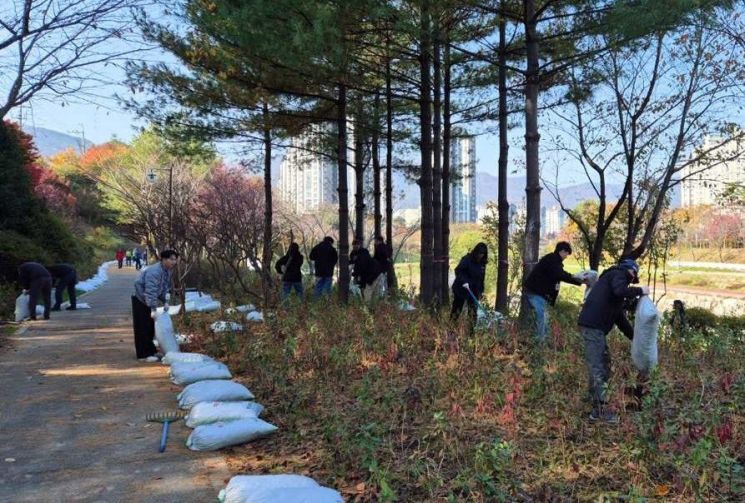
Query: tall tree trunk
446	135
503	231
359	178
341	156
425	180
375	141
532	137
437	168
392	280
266	252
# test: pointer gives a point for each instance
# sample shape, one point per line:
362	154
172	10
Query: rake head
166	416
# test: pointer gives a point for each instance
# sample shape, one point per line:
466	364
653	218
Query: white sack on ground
213	391
214	412
225	326
296	495
79	305
183	373
99	279
178	356
646	326
210	437
242	487
22	311
405	306
164	333
255	316
207	307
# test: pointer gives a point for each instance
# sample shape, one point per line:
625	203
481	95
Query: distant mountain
50	142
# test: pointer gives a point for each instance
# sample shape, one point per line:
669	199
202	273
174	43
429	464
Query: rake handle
164	437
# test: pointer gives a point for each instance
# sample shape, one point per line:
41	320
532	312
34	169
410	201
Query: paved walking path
73	401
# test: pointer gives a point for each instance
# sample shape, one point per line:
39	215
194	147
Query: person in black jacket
469	275
367	271
35	278
289	267
383	258
324	257
602	309
65	277
542	285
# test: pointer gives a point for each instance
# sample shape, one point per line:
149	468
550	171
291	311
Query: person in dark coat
65	277
324	257
367	271
603	309
542	285
35	278
469	275
289	267
383	258
138	259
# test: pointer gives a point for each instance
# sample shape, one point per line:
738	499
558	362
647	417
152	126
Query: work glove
153	313
24	292
465	285
645	290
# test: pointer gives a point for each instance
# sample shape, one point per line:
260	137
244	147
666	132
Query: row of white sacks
222	413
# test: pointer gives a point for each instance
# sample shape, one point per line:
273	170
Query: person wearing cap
603	309
542	285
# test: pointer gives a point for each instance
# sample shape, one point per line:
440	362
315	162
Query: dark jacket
546	277
59	271
366	269
382	257
471	272
292	263
31	271
324	257
604	305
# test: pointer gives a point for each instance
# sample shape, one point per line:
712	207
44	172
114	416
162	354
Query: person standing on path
469	275
120	257
289	267
602	309
35	278
151	287
66	277
128	256
324	257
543	283
138	259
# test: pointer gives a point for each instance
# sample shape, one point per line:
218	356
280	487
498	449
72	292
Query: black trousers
144	328
458	302
43	287
66	283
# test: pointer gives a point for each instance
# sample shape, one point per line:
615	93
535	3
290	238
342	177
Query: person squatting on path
289	267
35	279
151	287
602	309
324	257
65	277
469	275
543	283
367	271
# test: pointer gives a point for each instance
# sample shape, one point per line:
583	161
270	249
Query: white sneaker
149	359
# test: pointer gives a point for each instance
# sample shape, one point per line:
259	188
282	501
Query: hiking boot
603	415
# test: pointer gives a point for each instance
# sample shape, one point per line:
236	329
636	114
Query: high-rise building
463	176
552	221
704	185
308	179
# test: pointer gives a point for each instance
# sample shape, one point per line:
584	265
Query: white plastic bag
183	373
214	412
213	391
22	311
206	307
590	276
646	326
255	316
178	356
210	437
296	495
241	488
225	326
164	333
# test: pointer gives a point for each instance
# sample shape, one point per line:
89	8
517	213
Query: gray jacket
152	285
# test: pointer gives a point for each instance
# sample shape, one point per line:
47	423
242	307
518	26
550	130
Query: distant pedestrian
602	309
138	259
367	272
65	277
542	286
128	256
324	257
151	287
469	281
120	257
381	255
35	279
289	267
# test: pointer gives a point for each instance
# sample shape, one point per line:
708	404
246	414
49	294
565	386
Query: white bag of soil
241	488
210	437
164	333
295	495
179	357
256	316
215	412
225	326
22	311
183	373
646	326
207	307
213	391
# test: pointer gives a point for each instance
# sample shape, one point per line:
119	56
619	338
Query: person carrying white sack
151	288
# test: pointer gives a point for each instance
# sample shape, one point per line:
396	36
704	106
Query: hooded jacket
292	263
604	305
324	257
472	272
546	277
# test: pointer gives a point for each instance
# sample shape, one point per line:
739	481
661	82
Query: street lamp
151	177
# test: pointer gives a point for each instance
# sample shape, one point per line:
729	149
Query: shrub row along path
73	401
